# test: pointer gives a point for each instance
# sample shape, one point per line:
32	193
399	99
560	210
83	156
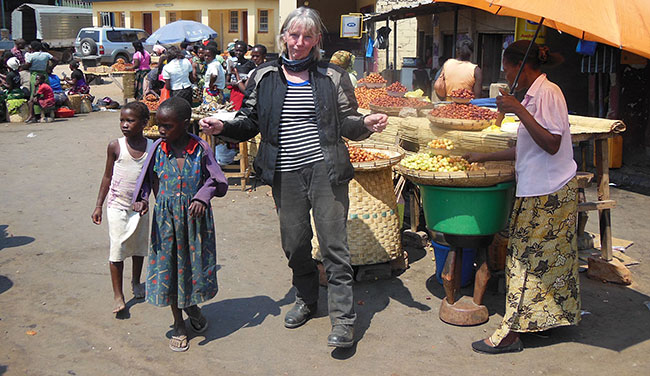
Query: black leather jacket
336	114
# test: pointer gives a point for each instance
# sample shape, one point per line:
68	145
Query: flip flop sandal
179	343
484	348
31	121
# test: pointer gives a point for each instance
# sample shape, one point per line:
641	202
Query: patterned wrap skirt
542	264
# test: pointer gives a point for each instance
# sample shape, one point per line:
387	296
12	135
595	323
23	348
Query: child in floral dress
184	176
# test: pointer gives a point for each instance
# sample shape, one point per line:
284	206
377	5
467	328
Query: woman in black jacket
303	108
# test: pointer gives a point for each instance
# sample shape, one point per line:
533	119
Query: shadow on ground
7	241
603	319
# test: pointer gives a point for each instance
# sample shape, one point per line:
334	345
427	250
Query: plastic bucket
467	211
467	269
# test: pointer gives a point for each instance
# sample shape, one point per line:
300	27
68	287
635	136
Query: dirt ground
54	280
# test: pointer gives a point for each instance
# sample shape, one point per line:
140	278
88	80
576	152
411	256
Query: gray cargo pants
295	193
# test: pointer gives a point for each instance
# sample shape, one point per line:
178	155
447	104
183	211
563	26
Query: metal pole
2	5
387	56
395	44
453	50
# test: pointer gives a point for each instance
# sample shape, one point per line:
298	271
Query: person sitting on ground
37	62
44	97
460	73
12	79
77	80
60	99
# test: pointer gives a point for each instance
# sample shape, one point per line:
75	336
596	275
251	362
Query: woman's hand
197	209
508	103
141	207
211	126
376	122
474	157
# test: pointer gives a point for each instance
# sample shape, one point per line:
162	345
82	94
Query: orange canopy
620	23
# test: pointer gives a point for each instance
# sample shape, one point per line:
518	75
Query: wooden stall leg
449	275
602	169
414	212
243	164
482	276
605	268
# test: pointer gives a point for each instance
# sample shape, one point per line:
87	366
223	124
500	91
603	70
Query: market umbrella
179	31
620	23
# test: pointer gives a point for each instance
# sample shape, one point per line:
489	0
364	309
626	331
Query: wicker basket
152	118
397	94
373	221
75	103
374	85
394	153
459	124
460	100
128	82
494	173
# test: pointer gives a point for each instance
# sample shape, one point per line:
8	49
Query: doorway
147	22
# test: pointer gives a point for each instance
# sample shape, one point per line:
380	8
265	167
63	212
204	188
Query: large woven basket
494	173
128	82
373	221
390	111
459	124
75	102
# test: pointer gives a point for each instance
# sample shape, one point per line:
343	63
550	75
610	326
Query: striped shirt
298	133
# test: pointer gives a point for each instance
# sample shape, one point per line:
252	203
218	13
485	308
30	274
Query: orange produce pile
388	101
462	93
463	111
151	101
365	95
372	78
397	87
360	155
121	66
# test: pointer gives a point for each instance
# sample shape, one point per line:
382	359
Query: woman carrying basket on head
542	262
303	107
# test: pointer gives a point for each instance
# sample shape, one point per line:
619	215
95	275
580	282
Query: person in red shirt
44	97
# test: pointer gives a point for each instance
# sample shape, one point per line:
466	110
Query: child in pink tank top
127	228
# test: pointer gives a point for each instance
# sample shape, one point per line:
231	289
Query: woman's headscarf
345	60
158	49
13	63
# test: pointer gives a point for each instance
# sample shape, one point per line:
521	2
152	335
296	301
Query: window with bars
172	17
234	21
263	21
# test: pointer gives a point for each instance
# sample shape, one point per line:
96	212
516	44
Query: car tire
121	56
88	47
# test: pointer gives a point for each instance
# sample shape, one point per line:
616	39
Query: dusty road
54	280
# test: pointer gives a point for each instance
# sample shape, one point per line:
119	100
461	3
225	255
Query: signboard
351	25
524	30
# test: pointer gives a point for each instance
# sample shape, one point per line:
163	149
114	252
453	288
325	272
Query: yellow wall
209	12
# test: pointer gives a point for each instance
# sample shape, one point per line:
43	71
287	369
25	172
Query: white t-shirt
538	172
178	72
215	69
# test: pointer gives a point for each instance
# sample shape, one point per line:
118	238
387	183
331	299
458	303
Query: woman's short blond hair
308	18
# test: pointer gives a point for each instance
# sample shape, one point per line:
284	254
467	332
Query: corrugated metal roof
55	9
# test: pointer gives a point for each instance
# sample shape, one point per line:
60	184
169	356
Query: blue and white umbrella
180	31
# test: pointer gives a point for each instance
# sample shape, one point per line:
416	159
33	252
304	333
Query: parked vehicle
57	26
109	43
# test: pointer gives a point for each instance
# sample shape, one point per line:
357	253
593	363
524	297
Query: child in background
44	97
127	229
184	176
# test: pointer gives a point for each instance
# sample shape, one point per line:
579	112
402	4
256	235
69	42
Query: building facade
253	21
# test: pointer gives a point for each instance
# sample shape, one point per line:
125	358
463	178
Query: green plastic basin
467	211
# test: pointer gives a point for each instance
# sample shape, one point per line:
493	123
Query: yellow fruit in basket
414	94
435	163
441	143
